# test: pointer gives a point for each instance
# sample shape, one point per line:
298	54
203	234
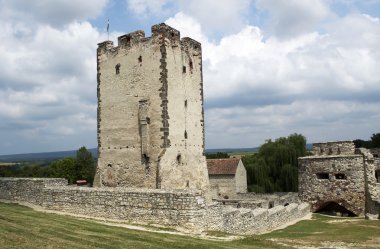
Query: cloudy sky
271	67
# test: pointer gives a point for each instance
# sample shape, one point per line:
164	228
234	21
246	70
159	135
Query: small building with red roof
227	177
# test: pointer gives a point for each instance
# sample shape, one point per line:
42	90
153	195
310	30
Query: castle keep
150	112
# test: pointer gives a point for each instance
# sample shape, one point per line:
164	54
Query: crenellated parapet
334	148
160	32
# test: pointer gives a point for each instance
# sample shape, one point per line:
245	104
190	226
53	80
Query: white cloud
55	13
311	83
48	77
146	8
223	16
294	17
215	16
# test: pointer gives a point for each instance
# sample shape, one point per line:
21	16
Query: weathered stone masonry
150	112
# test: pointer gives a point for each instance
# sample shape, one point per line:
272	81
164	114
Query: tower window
179	158
183	69
117	68
186	103
377	175
330	151
338	152
340	176
140	59
185	134
322	175
191	66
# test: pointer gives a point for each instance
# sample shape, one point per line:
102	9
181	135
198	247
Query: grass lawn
22	227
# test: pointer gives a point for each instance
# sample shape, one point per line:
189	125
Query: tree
275	166
85	165
65	168
375	139
217	155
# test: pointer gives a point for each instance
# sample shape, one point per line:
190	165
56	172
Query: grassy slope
21	227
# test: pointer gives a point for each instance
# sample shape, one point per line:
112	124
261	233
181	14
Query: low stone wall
169	208
252	221
186	209
252	200
27	190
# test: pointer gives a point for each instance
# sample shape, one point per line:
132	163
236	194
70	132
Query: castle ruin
340	178
151	164
150	112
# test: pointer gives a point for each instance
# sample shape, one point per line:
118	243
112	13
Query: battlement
334	148
159	31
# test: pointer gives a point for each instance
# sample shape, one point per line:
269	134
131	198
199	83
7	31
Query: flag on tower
108	28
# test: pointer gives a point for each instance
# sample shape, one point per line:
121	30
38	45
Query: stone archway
334	209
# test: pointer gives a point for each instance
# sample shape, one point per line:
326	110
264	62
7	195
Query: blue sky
271	67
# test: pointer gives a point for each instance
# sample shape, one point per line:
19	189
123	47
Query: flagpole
108	28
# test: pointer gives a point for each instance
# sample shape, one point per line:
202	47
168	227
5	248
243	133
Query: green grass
22	227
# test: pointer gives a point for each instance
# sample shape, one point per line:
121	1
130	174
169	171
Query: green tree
85	165
65	168
375	139
275	166
217	155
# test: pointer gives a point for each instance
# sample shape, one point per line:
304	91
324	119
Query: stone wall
169	208
252	221
372	164
253	200
185	209
27	190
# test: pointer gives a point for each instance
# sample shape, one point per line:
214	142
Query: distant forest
81	167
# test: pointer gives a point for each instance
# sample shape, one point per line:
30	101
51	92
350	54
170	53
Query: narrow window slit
117	68
322	175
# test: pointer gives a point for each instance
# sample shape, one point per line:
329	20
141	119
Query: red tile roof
225	166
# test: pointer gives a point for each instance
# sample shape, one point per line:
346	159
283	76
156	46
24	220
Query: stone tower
150	112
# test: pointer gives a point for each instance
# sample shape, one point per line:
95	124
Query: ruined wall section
372	166
241	178
150	112
337	179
